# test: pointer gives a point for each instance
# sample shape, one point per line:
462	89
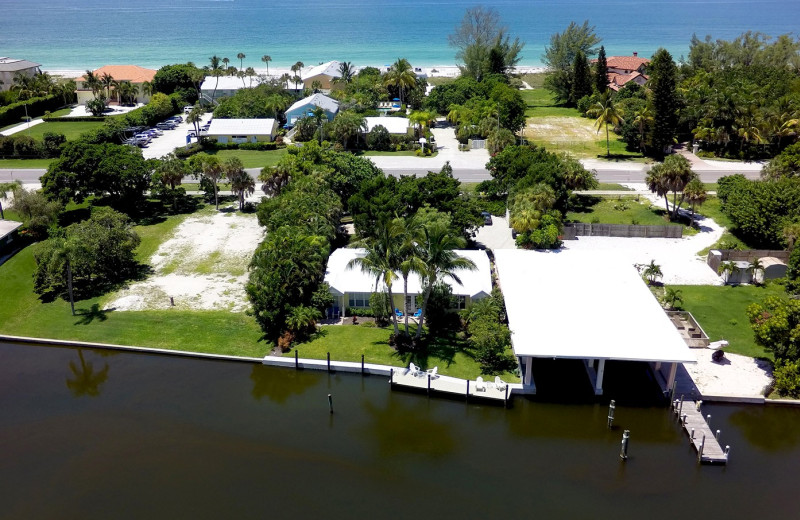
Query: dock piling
680	406
701	448
330	402
623	451
466	396
691	438
716	436
296	360
362	364
429	385
708	420
329	361
611	407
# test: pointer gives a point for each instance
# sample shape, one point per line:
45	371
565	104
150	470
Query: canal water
96	434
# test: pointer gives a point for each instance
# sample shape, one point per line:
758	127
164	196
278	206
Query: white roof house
301	108
330	69
226	86
12	66
584	306
395	125
476	284
242	130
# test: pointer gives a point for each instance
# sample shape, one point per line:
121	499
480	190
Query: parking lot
171	139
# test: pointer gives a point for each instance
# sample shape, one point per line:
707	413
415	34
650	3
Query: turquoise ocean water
76	34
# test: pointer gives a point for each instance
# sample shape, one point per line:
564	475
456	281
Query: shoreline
433	71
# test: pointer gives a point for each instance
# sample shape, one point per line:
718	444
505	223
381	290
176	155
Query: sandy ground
203	266
735	375
562	129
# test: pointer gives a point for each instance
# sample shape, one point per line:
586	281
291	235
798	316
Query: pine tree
601	71
663	73
581	79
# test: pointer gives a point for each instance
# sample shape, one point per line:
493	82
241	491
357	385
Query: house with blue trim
304	106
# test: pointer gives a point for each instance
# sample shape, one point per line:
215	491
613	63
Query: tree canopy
559	57
483	44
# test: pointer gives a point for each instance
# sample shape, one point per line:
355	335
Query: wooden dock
450	385
701	436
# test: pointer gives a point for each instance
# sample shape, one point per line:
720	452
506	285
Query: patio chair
480	386
398	312
499	383
434	372
414	370
418	313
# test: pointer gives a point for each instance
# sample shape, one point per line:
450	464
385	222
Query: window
358	299
461	302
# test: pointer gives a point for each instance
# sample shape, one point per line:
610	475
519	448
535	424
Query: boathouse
589	307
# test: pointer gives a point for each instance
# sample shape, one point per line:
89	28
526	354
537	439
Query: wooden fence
571	231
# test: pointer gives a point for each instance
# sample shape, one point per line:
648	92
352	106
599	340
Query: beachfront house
242	130
578	325
352	288
394	125
135	74
622	69
216	87
325	73
10	67
304	106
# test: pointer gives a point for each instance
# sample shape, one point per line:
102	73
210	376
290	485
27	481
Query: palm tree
652	271
147	88
242	184
266	59
316	86
107	81
92	82
672	297
296	70
226	61
401	76
756	267
213	170
606	113
695	194
440	261
127	92
642	118
86	382
319	116
409	232
171	170
346	73
727	269
381	260
195	117
241	57
250	72
422	120
791	232
216	72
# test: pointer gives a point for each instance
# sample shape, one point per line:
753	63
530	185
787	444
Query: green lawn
617	210
348	343
541	104
70	130
721	312
252	158
606	186
61	112
21	164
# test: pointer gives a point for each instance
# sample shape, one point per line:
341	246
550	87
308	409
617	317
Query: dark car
487	218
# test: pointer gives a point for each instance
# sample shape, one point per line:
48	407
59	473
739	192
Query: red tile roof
132	73
626	62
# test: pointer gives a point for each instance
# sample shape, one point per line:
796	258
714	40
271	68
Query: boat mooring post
330	402
391	376
329	361
700	449
611	407
466	396
623	451
680	406
429	385
296	360
362	364
708	421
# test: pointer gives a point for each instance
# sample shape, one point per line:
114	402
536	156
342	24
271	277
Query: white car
187	109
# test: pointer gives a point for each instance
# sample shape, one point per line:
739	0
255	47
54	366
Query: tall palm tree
296	70
695	194
381	259
242	184
213	170
642	118
319	116
216	72
241	57
226	61
410	234
127	91
346	73
400	76
440	261
266	59
108	81
250	72
147	88
727	269
92	82
195	117
606	113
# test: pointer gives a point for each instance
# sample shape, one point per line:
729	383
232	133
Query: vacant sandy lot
561	129
203	266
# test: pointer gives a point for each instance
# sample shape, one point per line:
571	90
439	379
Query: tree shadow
87	316
583	203
619	157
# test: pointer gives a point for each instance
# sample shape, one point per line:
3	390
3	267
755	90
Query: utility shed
586	306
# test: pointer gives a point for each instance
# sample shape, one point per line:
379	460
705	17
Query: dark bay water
88	434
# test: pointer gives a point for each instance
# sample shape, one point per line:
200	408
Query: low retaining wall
576	229
333	366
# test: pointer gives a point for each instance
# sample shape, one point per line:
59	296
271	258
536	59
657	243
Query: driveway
162	145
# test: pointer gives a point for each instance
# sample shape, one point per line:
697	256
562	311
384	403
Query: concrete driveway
496	236
162	145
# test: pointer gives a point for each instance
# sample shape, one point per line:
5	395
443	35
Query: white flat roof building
395	125
584	306
242	130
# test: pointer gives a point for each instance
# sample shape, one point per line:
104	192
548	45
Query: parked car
187	109
166	125
177	119
487	218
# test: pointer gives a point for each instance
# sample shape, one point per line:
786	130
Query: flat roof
229	83
477	283
7	227
395	125
13	64
241	127
584	306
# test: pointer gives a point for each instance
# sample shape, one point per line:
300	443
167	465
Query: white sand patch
562	129
736	375
203	266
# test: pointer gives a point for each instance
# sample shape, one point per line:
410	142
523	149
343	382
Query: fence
477	144
717	256
571	231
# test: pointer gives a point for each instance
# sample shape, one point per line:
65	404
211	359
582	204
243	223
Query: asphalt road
610	174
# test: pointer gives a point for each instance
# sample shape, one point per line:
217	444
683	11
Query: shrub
15	112
25	146
787	379
379	139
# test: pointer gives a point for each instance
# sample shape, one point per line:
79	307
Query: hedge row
159	108
187	151
77	119
15	112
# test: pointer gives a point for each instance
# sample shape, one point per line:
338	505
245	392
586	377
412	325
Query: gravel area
735	375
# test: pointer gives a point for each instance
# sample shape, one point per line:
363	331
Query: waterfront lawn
540	103
721	312
348	342
617	210
218	332
252	158
22	164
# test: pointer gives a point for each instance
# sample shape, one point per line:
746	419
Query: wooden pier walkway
701	436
